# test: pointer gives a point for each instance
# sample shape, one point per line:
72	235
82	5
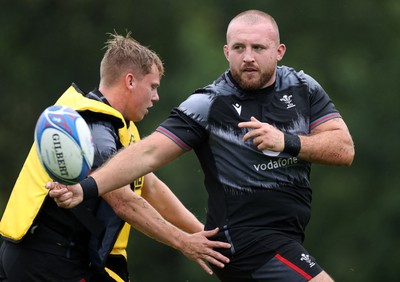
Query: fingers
210	233
201	249
219	245
54	185
253	123
263	135
205	266
253	134
50	185
214	258
215	244
211	255
63	197
61	194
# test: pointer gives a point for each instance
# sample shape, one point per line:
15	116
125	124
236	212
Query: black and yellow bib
29	191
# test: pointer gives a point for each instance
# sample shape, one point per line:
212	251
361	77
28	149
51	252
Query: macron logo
238	108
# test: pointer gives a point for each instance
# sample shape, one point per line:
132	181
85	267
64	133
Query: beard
254	81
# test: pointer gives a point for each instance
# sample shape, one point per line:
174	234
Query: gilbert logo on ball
64	144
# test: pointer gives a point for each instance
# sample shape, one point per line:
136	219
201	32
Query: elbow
351	152
123	208
342	157
349	161
120	211
348	158
132	209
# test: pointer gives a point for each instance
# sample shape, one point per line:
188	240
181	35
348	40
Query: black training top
252	193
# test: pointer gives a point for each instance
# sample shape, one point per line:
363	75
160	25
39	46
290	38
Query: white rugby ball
64	144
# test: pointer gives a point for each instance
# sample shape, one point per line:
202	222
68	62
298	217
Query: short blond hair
124	54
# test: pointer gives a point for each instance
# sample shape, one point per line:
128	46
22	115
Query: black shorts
287	260
18	263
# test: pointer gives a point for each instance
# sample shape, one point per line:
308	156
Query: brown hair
125	54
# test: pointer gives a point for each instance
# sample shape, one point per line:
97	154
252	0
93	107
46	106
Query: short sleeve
105	141
322	107
183	130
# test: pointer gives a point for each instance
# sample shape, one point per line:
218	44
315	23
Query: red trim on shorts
294	267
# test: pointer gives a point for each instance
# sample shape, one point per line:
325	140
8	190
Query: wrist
180	240
292	144
89	188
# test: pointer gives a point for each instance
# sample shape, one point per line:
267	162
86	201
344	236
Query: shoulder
107	120
287	77
105	141
104	128
104	133
200	102
197	105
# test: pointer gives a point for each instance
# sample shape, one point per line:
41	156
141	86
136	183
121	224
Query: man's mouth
249	70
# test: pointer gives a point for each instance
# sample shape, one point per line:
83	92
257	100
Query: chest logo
238	108
287	99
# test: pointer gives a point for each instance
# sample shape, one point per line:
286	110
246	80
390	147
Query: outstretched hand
66	196
195	246
200	249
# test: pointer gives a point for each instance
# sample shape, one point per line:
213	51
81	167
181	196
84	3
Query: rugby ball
64	144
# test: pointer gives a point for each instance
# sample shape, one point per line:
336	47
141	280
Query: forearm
136	211
332	147
181	217
119	171
328	143
168	205
152	224
135	161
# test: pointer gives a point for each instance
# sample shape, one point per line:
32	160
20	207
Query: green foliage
350	47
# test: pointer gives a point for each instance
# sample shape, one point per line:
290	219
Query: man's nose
248	55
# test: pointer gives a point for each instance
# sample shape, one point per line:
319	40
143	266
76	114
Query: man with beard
255	130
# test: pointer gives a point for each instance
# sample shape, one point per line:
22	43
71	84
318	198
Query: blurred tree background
350	46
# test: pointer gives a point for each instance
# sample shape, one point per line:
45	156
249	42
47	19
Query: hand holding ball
64	144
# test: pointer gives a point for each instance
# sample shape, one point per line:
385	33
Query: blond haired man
46	243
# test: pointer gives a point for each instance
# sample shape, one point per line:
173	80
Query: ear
281	51
130	80
226	52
